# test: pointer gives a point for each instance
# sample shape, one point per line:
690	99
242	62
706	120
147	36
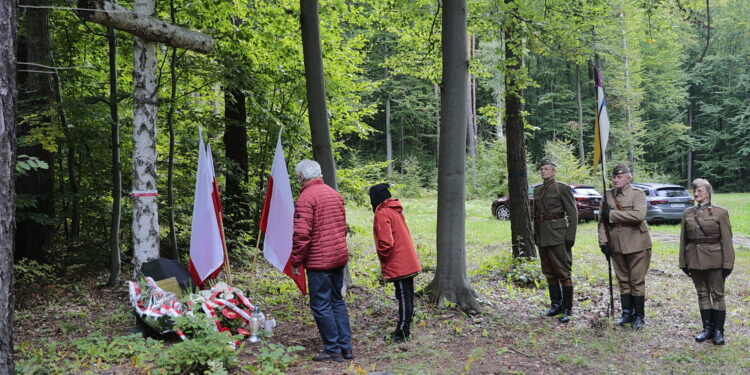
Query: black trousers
405	297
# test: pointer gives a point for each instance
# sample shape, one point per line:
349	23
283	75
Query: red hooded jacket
393	241
319	240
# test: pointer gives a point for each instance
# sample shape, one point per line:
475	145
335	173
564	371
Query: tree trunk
471	125
147	27
174	252
628	109
235	148
316	101
388	138
8	26
520	217
114	231
316	93
145	209
582	156
75	215
34	237
436	90
450	282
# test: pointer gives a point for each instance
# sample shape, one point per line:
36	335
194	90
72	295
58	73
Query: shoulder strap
698	221
617	203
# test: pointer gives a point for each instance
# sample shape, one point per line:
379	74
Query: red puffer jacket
319	240
393	242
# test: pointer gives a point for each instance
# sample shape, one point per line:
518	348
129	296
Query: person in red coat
398	260
319	244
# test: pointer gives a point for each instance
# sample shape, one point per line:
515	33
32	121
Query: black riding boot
719	317
708	326
567	303
639	302
626	300
555	297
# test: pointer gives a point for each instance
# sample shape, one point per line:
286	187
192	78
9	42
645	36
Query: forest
87	137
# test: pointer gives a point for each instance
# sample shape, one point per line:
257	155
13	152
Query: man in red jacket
398	260
319	244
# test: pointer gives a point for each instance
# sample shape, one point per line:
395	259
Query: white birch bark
144	25
145	213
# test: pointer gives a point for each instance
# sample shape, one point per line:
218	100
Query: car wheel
502	213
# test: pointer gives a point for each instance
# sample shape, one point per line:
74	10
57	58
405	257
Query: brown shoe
323	356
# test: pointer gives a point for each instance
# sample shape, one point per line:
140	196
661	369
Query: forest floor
510	336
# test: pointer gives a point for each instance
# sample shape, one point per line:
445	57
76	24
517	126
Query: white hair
308	169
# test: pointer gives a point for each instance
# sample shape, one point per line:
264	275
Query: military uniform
707	255
555	222
627	236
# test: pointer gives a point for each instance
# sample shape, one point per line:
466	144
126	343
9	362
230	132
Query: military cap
620	169
544	162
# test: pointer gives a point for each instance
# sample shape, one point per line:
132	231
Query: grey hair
703	182
308	169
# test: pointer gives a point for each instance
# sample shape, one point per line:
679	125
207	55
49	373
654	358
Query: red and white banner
207	237
277	219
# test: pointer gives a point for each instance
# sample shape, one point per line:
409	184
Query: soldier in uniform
707	256
555	222
624	236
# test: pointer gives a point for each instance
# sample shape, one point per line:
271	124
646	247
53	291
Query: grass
510	336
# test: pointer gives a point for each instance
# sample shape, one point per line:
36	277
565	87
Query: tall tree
8	19
35	229
515	139
235	149
316	92
114	229
450	282
145	209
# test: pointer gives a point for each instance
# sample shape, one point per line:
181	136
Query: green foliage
26	164
274	358
569	170
525	272
31	276
491	174
355	180
414	181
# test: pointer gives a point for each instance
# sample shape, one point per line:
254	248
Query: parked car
664	202
587	202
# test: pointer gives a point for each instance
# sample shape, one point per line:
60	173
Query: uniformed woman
707	256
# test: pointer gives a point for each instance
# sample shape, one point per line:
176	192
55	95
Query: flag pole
611	309
227	269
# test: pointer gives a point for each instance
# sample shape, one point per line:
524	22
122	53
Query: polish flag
277	219
207	237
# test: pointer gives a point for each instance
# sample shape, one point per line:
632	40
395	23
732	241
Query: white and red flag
207	254
277	219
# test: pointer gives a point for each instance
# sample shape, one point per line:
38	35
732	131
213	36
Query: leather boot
708	326
719	318
567	303
555	297
626	301
639	303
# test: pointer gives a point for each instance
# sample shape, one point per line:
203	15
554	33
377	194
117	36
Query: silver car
664	202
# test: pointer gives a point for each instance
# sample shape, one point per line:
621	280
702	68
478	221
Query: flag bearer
624	236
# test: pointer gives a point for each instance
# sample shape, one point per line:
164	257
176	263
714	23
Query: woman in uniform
707	256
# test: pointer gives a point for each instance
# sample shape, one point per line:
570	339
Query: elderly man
624	236
555	223
319	244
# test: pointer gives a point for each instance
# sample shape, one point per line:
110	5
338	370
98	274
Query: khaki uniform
629	238
555	221
706	251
